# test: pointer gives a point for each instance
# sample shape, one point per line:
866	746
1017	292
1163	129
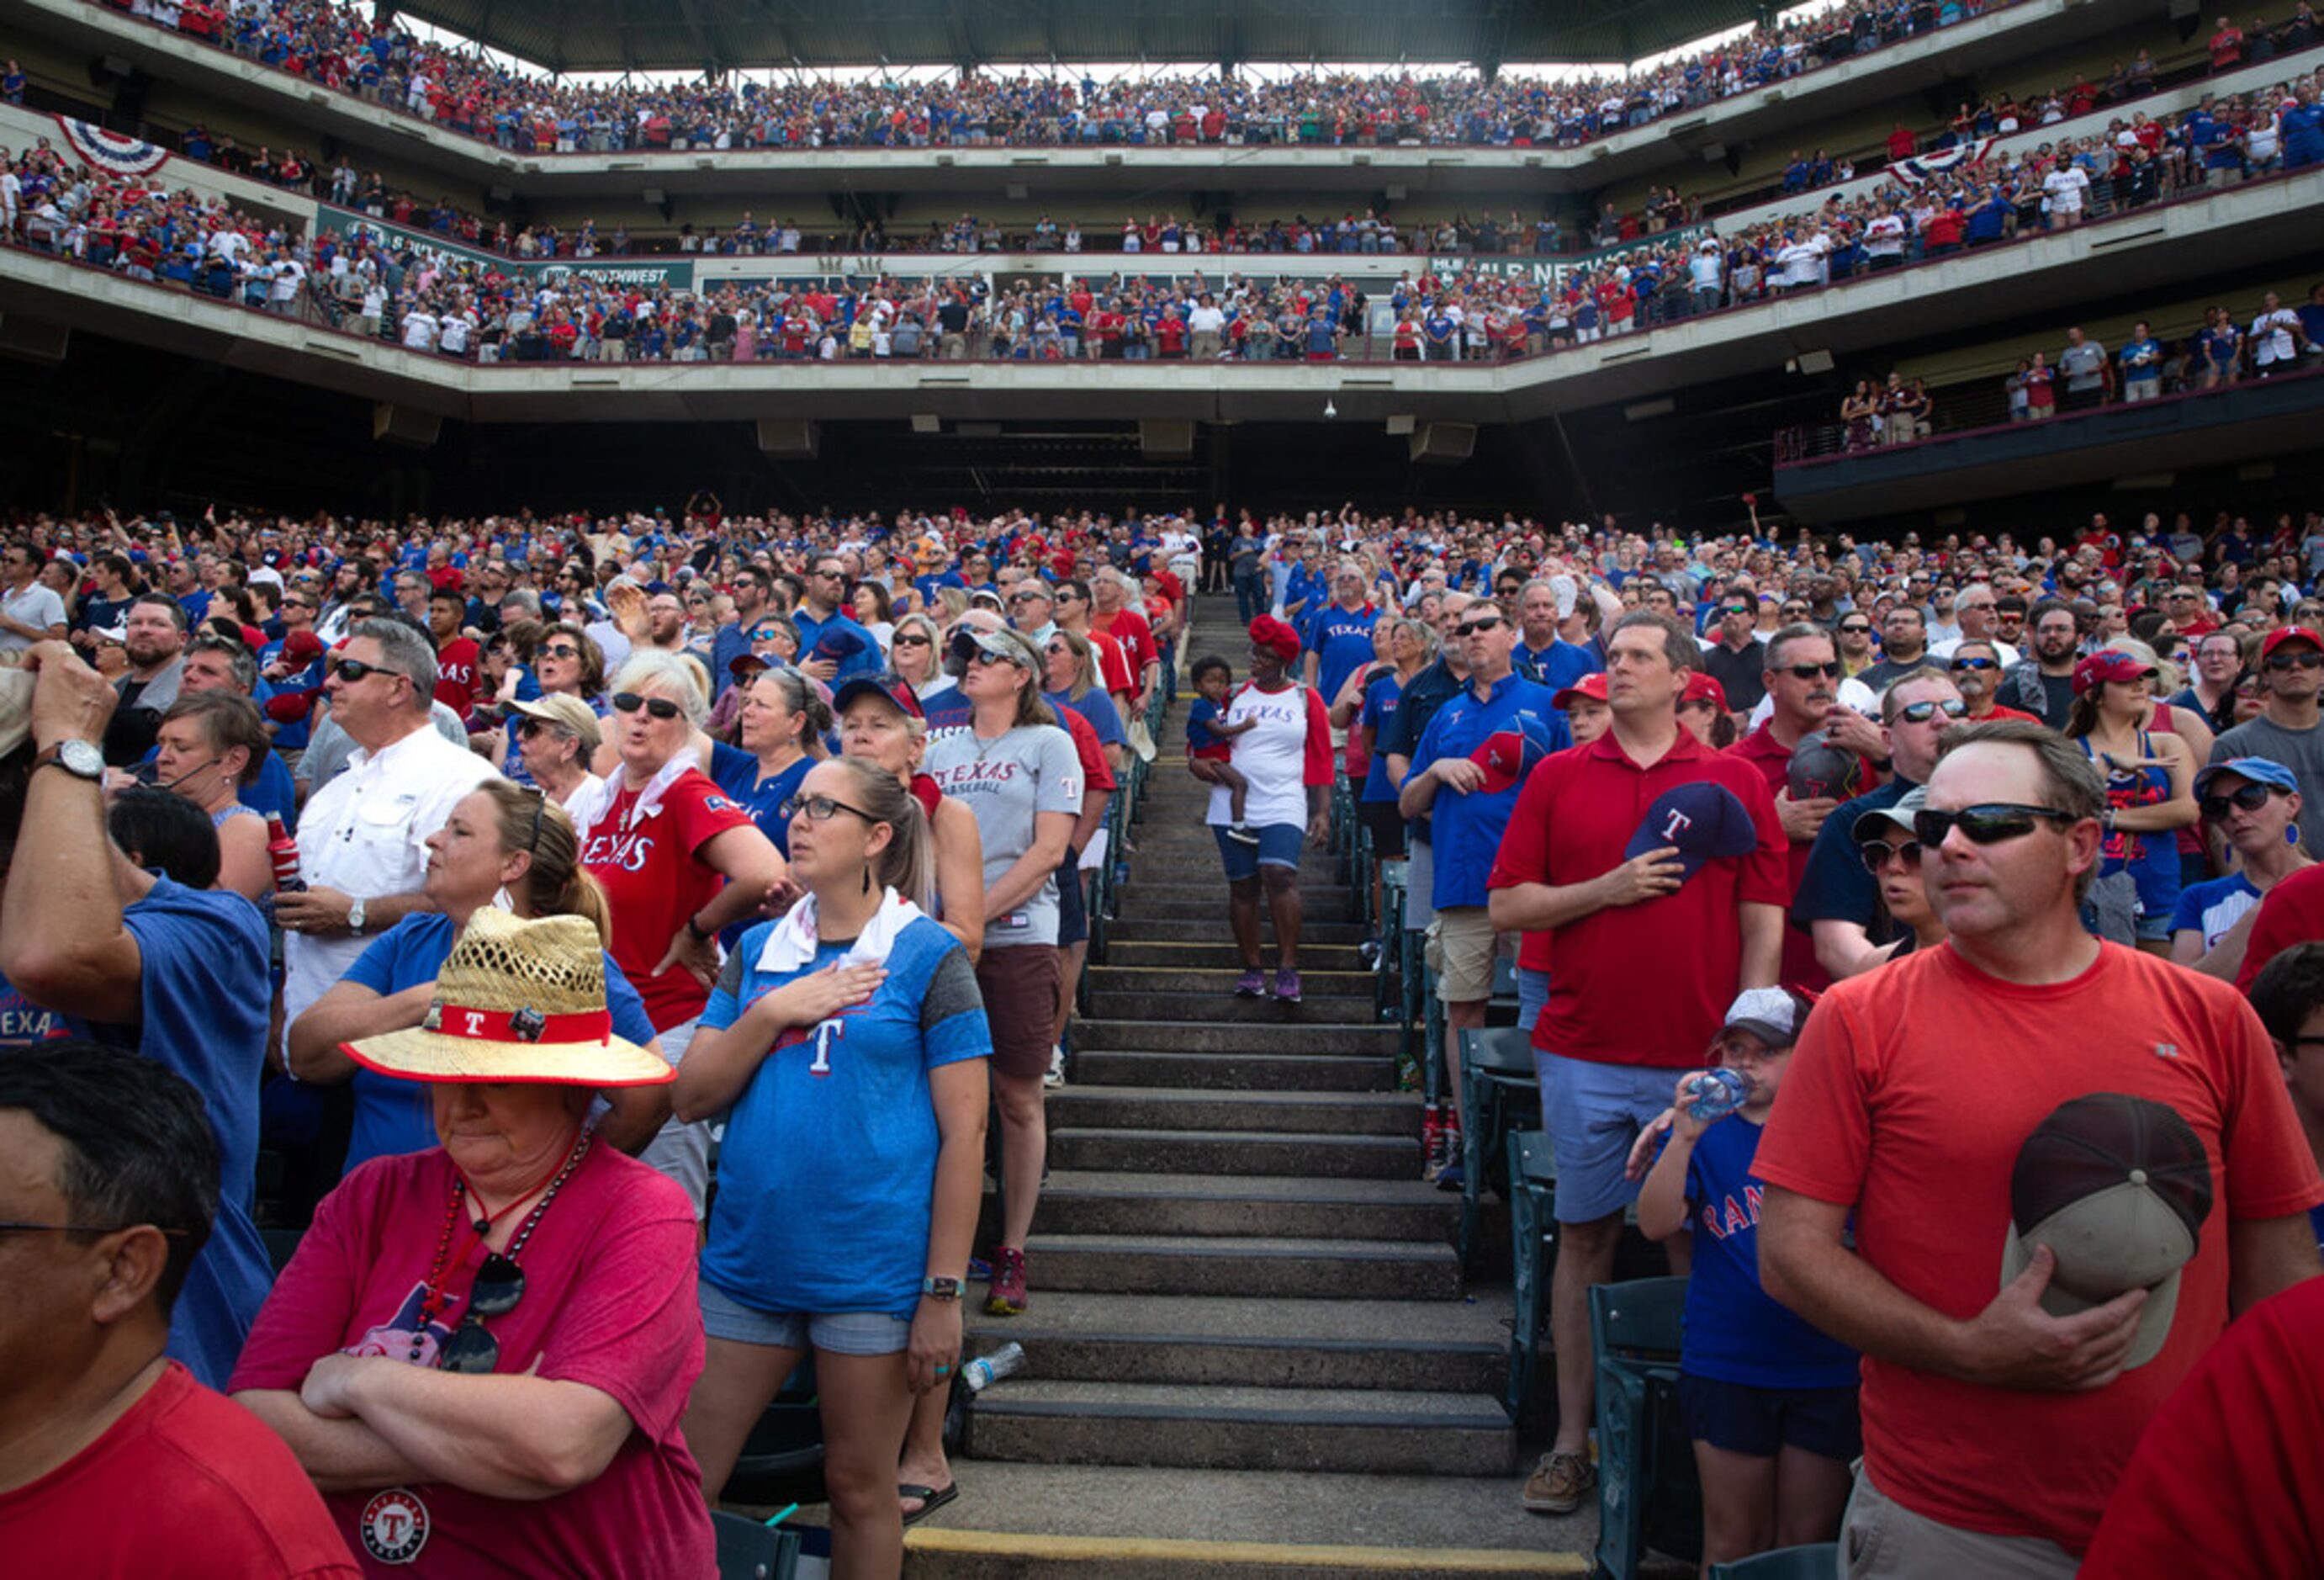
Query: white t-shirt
1273	757
2065	188
2271	335
1884	236
37	604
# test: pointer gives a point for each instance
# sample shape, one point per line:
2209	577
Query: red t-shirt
2226	1480
1647	983
1773	759
609	1301
456	676
2293	912
1912	1089
1128	627
653	881
186	1484
1113	664
1097	774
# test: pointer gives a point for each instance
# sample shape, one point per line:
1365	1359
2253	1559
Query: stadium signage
652	273
1556	272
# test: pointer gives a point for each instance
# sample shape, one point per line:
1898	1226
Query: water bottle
1717	1093
283	852
987	1370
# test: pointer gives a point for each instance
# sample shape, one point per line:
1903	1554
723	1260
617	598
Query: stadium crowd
476	867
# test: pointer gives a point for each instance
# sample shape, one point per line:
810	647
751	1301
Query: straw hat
517	1001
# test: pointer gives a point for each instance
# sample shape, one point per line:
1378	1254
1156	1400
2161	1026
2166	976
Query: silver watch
356	918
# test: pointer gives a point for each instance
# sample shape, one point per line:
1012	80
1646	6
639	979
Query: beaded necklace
435	1295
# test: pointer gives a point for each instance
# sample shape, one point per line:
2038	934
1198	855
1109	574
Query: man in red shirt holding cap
1617	850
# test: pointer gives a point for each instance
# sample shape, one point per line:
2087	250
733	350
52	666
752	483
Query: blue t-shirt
393	1116
1467	829
204	992
736	771
1342	640
1098	709
1735	1332
946	709
863	657
830	1155
1199	719
1381	694
2212	906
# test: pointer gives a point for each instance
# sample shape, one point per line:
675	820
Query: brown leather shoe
1559	1483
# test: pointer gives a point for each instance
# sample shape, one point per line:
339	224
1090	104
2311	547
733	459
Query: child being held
1210	741
1769	1402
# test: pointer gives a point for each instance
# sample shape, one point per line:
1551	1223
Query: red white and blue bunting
110	151
1929	166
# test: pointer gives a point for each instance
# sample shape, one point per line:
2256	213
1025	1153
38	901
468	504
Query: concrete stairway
1235	1264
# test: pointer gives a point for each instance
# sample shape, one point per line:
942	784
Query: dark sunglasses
661	707
768	634
2251	798
908	640
1738	609
1976	664
2285	664
1989	824
987	657
1878	853
350	670
1856	631
526	728
472	1351
1811	671
1474	626
1921	713
560	649
818	808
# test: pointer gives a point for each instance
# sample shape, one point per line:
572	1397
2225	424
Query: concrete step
1275	1268
1347	1114
1116	1523
1214	1152
1219	981
1135	926
1222	1007
1134	1343
1073	1422
1221	956
1234	1072
1166	850
1208	912
1106	1202
1288	1035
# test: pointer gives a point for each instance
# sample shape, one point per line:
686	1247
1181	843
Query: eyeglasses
1476	627
1921	713
2251	798
908	639
1829	672
661	707
1976	664
1989	824
560	649
2285	664
819	808
472	1351
1878	853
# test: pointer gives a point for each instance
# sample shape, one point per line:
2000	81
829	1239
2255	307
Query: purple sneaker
1287	987
1251	985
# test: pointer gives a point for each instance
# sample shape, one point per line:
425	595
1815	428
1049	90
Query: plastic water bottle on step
1716	1094
987	1370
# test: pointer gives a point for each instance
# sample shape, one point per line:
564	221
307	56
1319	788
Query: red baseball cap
2284	633
1701	686
2110	664
1590	687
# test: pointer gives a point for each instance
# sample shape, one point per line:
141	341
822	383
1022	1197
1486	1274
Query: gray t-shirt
2300	750
1008	783
2084	366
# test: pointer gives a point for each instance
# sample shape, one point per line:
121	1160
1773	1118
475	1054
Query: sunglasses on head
1921	713
1829	672
2306	658
2251	798
1878	853
661	707
472	1351
1989	824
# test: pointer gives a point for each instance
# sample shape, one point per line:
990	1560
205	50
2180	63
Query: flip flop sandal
931	1499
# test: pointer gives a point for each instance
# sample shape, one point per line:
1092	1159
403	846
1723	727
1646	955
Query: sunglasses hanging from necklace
499	1284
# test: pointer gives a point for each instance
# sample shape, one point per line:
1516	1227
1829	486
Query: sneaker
1056	1075
1252	985
1287	987
1242	834
1453	1176
1369	951
1008	1296
1558	1483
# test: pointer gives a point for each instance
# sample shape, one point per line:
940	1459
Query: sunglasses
1989	824
560	649
1977	663
2251	798
1856	631
819	808
661	707
2285	664
526	728
1027	597
908	640
988	658
1738	609
1878	853
472	1351
350	670
1475	626
1830	671
1921	713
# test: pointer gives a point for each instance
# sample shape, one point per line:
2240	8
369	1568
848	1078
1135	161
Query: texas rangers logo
1675	823
394	1526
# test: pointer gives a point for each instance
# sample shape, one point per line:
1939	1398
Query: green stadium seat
1649	1494
748	1550
1533	1248
1816	1561
1498	1091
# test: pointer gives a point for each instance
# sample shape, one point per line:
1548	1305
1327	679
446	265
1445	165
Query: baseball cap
1592	688
1818	767
1701	686
1771	1014
2118	1187
1702	820
2284	633
892	688
302	647
1912	800
1006	643
2258	770
568	712
837	645
2110	664
1507	756
747	663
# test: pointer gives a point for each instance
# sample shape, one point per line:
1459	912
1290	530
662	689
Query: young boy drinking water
1769	1402
1210	741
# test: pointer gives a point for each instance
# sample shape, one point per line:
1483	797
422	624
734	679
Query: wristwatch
941	1288
356	918
78	758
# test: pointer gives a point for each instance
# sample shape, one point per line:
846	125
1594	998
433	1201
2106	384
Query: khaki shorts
1881	1540
1464	955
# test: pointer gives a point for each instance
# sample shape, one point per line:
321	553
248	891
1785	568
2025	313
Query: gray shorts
838	1332
681	1151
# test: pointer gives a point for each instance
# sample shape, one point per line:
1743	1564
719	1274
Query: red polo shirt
1647	983
1773	759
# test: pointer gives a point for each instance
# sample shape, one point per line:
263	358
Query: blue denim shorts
839	1333
1278	846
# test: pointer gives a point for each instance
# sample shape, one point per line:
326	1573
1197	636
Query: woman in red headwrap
1284	757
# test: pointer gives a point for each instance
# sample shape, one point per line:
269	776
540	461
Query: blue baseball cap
2258	770
1702	820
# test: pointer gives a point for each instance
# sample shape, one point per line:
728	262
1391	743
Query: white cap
1768	1013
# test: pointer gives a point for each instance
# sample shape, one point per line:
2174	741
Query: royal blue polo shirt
1467	833
1342	640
